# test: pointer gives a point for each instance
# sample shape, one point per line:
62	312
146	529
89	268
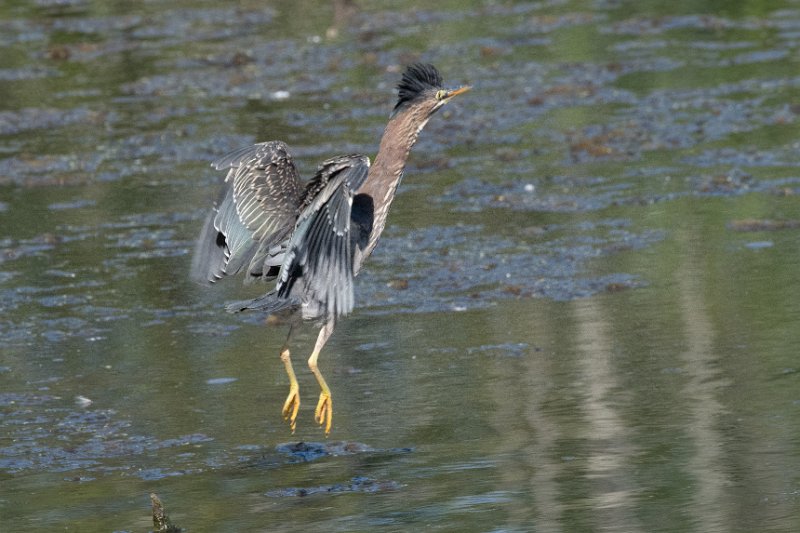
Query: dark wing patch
255	212
363	216
318	266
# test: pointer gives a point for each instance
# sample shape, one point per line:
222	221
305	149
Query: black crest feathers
417	78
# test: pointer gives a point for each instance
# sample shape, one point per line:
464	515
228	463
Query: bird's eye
440	94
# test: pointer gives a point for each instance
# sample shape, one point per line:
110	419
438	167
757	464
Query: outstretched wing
254	213
318	265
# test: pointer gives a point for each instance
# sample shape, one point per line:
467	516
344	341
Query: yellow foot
291	406
324	412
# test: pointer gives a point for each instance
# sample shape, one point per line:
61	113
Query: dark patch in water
15	122
460	268
509	349
48	169
74	204
256	457
476	195
357	484
751	224
311	451
734	182
27	73
644	25
213	329
752	157
44	436
11	250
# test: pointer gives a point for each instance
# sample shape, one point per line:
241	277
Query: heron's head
421	89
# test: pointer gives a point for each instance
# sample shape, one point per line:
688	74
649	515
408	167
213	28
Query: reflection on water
583	315
608	466
709	507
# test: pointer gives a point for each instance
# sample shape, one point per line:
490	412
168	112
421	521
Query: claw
324	412
291	406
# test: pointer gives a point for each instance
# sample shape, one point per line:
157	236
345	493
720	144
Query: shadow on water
582	315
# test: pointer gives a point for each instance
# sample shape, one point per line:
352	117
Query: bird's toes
290	409
323	415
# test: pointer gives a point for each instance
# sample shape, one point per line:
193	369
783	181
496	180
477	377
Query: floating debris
46	437
161	522
220	381
759	245
83	401
398	284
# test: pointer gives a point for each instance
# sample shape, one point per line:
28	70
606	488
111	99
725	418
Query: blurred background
583	315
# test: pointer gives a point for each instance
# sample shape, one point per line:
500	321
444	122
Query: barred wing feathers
318	265
255	212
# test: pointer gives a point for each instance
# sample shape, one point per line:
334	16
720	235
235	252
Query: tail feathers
269	303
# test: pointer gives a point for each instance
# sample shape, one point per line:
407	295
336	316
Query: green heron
313	237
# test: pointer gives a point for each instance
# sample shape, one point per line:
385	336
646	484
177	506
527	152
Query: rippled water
583	314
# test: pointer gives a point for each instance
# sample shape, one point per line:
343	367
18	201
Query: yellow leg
324	411
292	403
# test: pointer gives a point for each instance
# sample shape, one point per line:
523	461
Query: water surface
582	316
